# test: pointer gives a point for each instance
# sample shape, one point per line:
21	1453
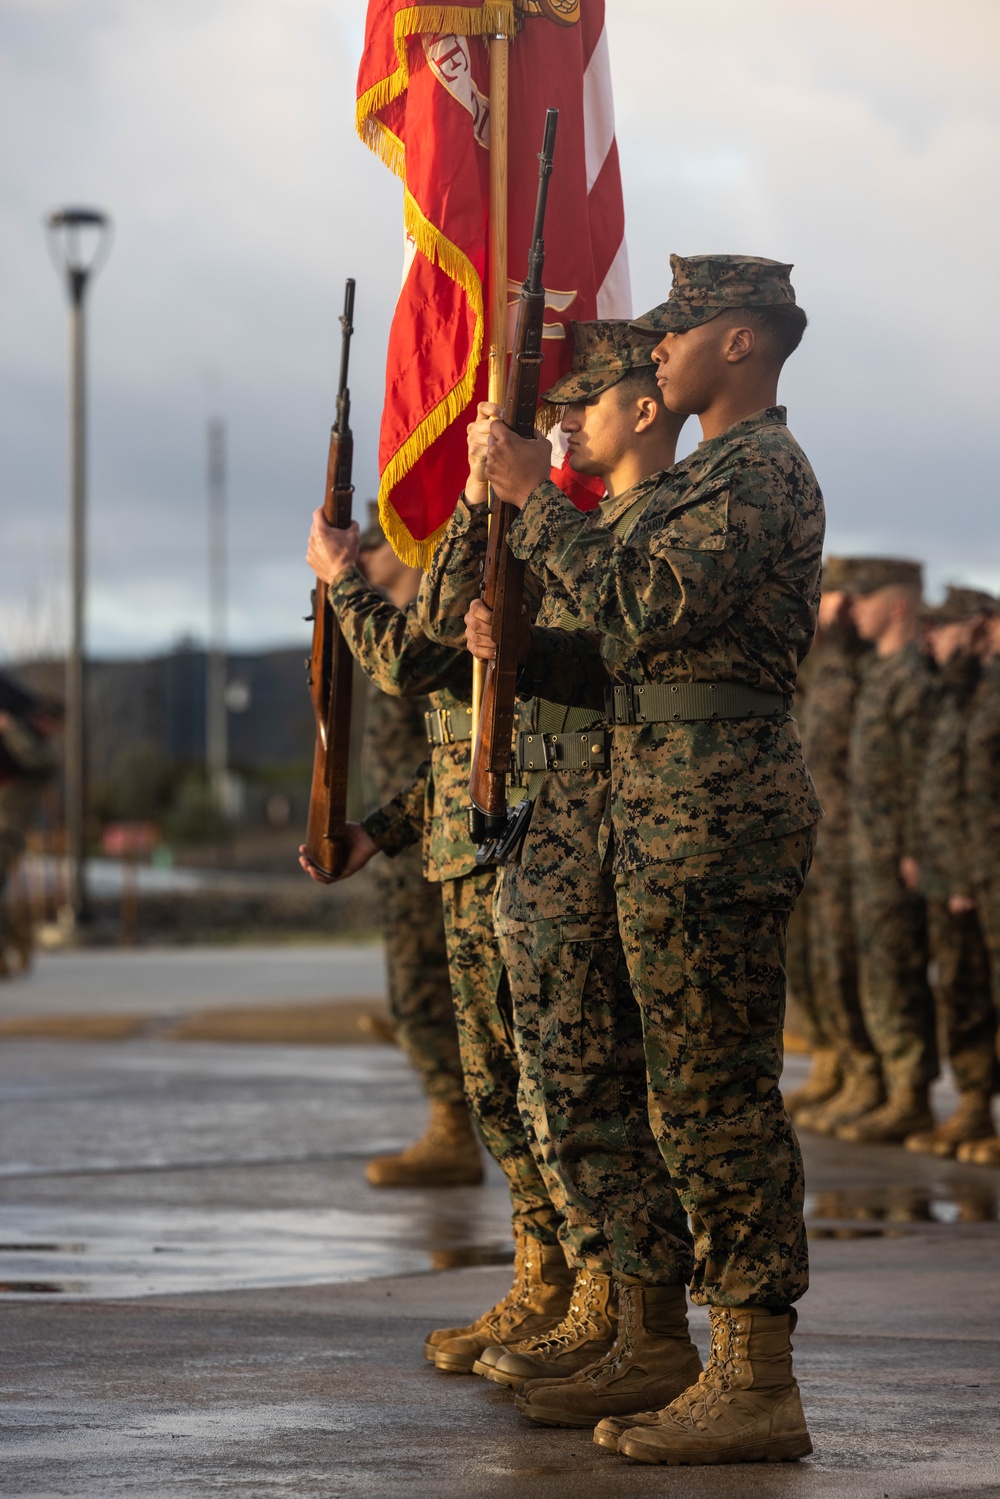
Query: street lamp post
79	239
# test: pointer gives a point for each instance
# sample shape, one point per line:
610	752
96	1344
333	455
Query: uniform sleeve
455	577
389	645
565	666
400	823
914	710
673	584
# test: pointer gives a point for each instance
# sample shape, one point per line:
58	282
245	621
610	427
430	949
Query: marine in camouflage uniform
576	1022
431	811
894	709
982	830
28	762
395	744
711	818
703	615
960	973
853	1083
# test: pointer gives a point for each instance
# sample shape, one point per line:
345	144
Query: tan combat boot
823	1082
904	1112
979	1152
862	1091
653	1359
583	1336
971	1121
745	1407
446	1155
537	1300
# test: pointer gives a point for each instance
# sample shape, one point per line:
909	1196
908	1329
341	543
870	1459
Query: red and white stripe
604	182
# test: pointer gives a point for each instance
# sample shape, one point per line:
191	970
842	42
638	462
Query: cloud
862	142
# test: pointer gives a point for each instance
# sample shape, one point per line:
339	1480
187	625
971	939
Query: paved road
178	980
205	1298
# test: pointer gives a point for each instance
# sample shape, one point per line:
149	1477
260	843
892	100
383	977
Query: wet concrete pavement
204	1297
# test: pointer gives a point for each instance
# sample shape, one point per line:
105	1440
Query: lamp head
79	241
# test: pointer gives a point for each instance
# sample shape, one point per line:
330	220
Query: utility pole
216	727
79	239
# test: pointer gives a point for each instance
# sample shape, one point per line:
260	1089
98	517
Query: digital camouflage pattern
396	654
706	285
418	982
895	705
603	352
825	712
718	581
940	801
982	811
712	822
869	574
705	942
576	1023
484	1013
960	974
28	762
398	657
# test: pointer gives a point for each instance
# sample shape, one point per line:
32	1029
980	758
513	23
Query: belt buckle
444	724
623	704
550	743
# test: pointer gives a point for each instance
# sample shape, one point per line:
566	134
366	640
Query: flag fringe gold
497	17
493	19
436	248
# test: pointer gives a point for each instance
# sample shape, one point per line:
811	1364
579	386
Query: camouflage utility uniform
419	985
982	811
825	726
711	601
577	1027
27	764
432	810
959	969
893	713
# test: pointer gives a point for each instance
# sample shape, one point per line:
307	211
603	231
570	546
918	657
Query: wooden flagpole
497	328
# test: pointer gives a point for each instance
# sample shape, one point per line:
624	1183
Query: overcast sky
859	140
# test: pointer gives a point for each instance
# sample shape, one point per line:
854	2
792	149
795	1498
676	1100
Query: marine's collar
771	416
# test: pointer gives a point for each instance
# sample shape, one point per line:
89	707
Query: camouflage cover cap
372	536
840	573
602	353
706	285
961	604
869	574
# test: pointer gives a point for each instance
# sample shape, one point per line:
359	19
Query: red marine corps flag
424	105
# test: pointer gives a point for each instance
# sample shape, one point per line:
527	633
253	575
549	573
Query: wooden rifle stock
503	573
331	666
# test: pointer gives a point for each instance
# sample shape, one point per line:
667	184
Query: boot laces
622	1346
523	1265
712	1392
580	1321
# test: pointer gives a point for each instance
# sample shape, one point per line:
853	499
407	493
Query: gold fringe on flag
436	20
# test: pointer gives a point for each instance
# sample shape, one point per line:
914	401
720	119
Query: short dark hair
783	326
637	382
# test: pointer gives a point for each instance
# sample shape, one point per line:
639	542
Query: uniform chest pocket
702	527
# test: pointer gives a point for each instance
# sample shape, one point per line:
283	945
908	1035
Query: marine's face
689	367
944	640
834	607
598	431
873	613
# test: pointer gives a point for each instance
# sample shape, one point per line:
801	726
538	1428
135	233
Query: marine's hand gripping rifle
330	665
503	573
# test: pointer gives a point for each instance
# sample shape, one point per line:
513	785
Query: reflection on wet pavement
167	1252
948	1202
138	1169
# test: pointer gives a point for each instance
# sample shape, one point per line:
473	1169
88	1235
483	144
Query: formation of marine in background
28	762
894	952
